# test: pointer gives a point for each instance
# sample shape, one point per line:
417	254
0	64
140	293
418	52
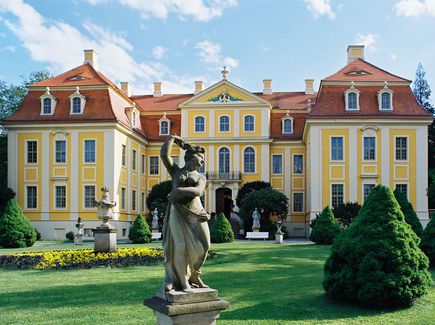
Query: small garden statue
255	219
105	206
155	223
78	238
279	235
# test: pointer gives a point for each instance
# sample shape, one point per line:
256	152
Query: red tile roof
276	126
288	100
369	71
169	102
151	125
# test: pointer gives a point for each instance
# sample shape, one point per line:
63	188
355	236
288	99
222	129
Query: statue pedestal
255	229
78	239
201	307
105	239
279	238
155	230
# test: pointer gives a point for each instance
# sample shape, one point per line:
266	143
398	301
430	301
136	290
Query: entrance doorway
224	202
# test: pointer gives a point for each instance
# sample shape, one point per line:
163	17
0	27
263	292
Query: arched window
164	127
199	124
76	105
47	106
249	160
224	162
352	100
249	123
287	125
224	123
385	101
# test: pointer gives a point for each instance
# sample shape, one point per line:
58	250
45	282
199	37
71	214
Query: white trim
369	182
36	169
123	199
90	168
244	123
53	101
265	163
293	202
12	147
45	175
302	178
229	160
64	184
82	102
84	151
109	159
194	124
287	118
236	158
211	159
265	122
362	148
164	119
282	163
407	149
229	123
133	208
343	168
184	124
84	196
403	183
352	89
236	123
243	160
143	164
74	194
293	164
353	165
26	156
26	208
54	150
330	192
149	165
395	166
212	118
388	91
286	164
330	148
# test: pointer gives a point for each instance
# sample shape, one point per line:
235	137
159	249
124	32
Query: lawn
265	283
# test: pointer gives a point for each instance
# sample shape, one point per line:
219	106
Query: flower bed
81	259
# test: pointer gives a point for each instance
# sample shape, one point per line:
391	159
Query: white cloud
320	7
9	48
393	57
210	53
61	46
158	52
413	8
367	40
197	9
96	2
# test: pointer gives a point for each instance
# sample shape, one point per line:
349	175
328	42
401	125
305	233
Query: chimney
157	89
198	87
91	57
267	86
309	86
125	87
355	52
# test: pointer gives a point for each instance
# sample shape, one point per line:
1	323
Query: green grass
264	283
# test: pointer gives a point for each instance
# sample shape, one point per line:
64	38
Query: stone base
78	239
105	239
201	307
155	230
279	238
255	229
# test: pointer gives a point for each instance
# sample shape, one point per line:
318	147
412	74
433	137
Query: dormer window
77	102
165	125
385	98
133	119
48	103
287	124
351	98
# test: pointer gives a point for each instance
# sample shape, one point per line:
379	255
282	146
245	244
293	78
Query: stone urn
105	234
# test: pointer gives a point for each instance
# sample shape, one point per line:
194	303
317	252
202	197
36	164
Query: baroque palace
78	131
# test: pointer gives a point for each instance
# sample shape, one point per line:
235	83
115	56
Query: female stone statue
186	237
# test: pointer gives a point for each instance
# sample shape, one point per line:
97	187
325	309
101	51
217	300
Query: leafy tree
158	196
221	231
268	201
421	89
376	260
326	228
140	232
15	229
346	213
248	188
427	244
408	211
6	194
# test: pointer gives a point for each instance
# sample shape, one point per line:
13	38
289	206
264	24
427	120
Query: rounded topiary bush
70	235
428	240
15	229
326	228
221	231
140	231
376	261
407	209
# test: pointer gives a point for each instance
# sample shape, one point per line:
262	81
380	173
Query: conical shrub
326	228
15	229
376	261
140	231
221	231
428	240
407	209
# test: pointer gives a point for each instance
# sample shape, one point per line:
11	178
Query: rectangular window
32	152
369	148
133	200
60	197
276	164
143	164
89	196
89	151
60	151
401	148
403	188
154	165
133	160
123	198
143	201
32	197
124	147
298	164
336	148
337	195
367	188
298	202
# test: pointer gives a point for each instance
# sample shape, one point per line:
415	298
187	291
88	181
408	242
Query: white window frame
282	167
26	151
161	128
244	123
95	151
363	185
229	160
384	91
55	152
143	165
123	199
255	160
303	202
229	124
330	193
143	201
343	149
82	103
293	163
26	197
53	102
123	155
352	89
149	166
133	200
194	124
363	148
55	207
134	159
407	148
283	120
84	196
403	183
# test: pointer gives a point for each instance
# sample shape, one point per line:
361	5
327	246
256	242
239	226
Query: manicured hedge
326	228
221	231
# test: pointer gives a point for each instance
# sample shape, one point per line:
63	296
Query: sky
179	41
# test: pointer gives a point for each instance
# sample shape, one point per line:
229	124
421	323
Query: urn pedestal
200	307
105	239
